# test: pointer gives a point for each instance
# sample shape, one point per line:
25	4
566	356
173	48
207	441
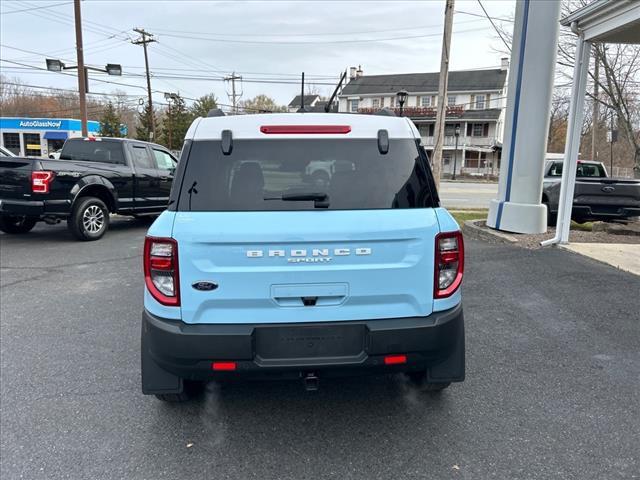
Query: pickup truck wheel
419	379
191	389
17	224
89	219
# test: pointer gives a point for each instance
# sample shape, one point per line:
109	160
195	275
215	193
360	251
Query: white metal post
572	144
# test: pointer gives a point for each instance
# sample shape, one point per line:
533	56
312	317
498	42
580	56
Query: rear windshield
269	175
93	151
584	170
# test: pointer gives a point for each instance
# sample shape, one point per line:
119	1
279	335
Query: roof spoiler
215	112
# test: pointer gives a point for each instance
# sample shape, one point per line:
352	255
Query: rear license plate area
300	342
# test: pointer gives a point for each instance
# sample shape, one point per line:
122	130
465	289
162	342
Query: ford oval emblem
204	286
608	189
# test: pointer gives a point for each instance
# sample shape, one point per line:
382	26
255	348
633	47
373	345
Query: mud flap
451	369
155	380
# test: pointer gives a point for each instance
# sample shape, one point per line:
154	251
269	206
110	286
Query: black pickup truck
93	178
596	196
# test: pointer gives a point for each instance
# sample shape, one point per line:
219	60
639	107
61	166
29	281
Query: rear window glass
88	151
271	175
584	170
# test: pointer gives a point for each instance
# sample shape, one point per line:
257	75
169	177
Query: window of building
480	102
446	158
478	129
11	142
382	102
450	129
425	101
32	144
375	103
426	130
354	106
451	100
392	102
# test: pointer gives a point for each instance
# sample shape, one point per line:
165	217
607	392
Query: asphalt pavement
461	195
552	389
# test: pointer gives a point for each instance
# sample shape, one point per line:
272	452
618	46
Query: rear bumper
603	212
173	351
35	208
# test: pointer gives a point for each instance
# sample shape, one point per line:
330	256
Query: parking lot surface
552	389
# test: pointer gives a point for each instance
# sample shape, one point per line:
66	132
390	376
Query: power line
319	42
37	8
494	26
500	19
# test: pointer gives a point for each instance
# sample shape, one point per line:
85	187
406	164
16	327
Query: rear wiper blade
321	200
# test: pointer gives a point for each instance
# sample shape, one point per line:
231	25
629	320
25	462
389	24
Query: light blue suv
258	270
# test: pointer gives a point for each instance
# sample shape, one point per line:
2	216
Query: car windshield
305	174
93	151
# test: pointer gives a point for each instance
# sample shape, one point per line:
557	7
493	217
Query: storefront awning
55	135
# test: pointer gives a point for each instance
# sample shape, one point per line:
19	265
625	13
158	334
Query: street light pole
455	155
82	73
402	97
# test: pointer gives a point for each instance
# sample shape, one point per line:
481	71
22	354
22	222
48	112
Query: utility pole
234	96
145	39
82	73
441	111
596	105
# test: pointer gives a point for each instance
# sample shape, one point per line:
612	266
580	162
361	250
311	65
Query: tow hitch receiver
311	382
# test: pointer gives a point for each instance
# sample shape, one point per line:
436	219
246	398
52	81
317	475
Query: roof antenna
301	109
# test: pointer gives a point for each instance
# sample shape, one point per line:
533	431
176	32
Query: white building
476	103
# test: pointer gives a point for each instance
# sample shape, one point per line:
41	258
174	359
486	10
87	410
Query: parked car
596	195
93	178
5	152
256	270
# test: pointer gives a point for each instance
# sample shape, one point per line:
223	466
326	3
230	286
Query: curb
475	229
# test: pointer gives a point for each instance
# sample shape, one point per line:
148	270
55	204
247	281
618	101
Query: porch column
535	37
572	144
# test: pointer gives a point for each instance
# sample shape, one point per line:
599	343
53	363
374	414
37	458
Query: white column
572	143
535	37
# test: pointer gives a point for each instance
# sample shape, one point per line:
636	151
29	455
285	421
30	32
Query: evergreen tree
176	122
202	105
144	124
110	122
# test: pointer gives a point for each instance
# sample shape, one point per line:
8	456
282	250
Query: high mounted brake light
449	264
161	273
305	129
40	181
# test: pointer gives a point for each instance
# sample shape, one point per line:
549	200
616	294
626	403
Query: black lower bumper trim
173	350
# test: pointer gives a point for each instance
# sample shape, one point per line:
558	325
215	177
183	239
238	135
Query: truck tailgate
15	177
607	192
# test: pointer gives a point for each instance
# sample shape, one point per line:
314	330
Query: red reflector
223	366
161	263
304	129
395	359
449	257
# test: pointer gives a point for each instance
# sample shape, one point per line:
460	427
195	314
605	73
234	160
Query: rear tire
16	225
419	379
89	219
190	390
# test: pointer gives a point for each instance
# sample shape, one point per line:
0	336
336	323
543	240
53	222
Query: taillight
449	264
161	270
40	181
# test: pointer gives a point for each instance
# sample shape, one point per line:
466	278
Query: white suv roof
249	126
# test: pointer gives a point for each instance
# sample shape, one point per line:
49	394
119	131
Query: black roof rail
215	112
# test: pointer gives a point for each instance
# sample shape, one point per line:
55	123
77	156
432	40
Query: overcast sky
268	41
